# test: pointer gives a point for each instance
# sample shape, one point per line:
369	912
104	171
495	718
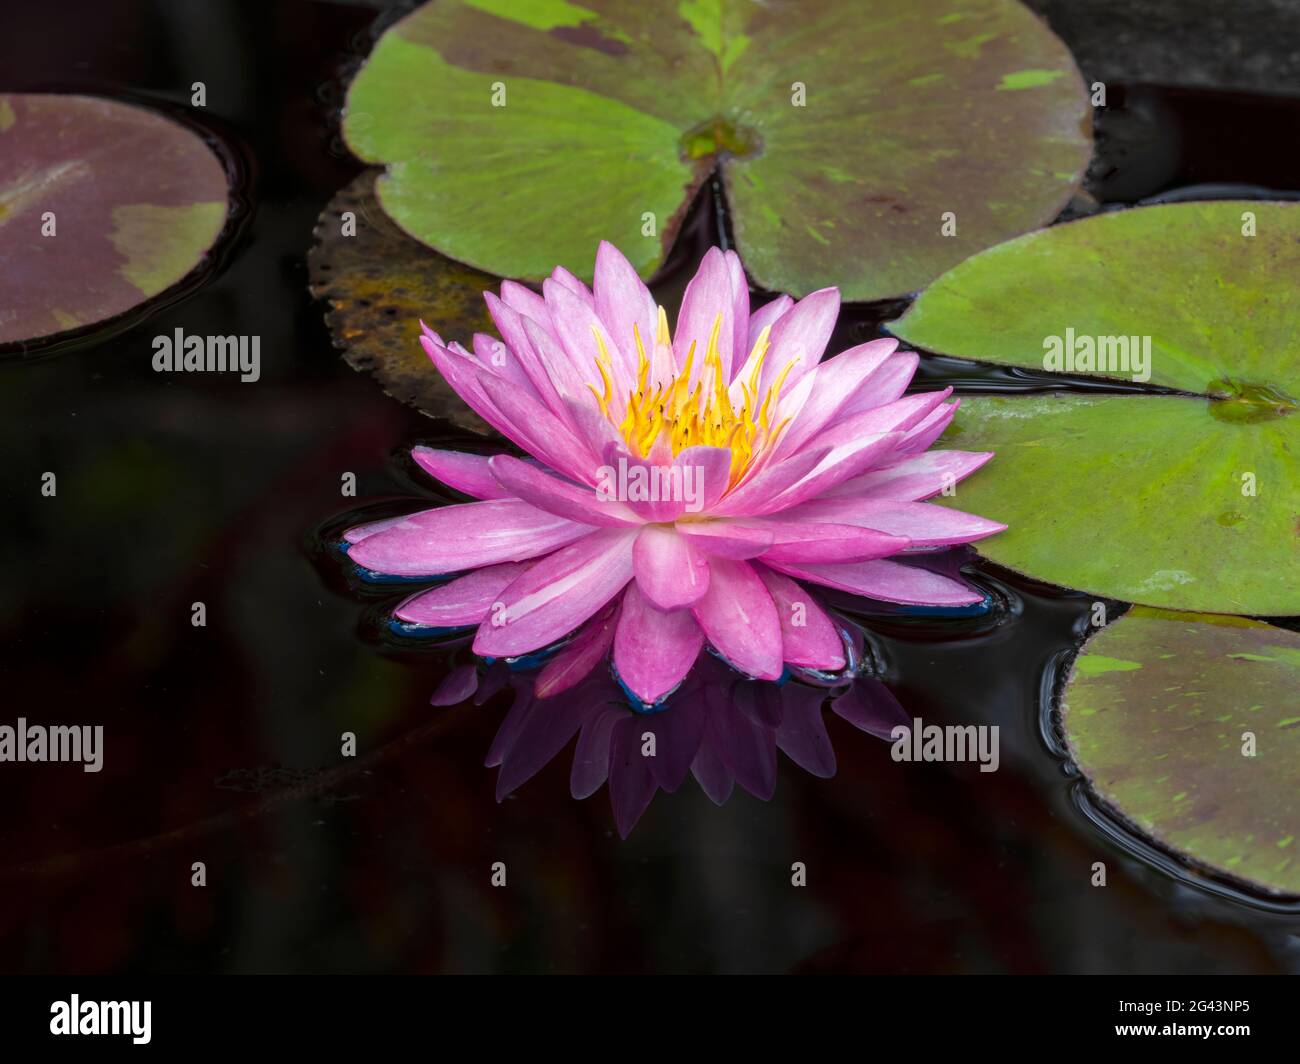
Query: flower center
669	415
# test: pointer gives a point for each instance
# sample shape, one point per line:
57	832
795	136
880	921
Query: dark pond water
223	741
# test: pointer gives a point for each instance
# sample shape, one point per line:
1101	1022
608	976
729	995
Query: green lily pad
518	133
102	207
379	284
1187	725
1186	501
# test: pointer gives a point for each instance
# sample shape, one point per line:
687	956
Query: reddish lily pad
519	133
1187	725
102	207
1185	501
380	283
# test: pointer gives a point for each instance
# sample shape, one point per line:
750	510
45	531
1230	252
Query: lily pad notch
518	135
1187	501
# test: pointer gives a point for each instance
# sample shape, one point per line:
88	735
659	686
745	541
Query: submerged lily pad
380	283
1187	501
1188	726
518	134
102	207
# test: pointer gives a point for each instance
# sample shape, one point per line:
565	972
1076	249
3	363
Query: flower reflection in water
719	726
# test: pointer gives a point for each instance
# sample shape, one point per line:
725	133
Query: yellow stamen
604	399
685	416
640	347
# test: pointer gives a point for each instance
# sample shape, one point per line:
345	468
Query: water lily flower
681	487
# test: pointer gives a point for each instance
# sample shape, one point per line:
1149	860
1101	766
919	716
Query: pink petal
623	301
570	381
558	496
576	661
522	300
652	490
557	594
925	524
844	461
769	483
808	636
577	325
517	416
663	367
465	536
914	477
669	571
514	329
739	619
898	416
593	426
884	386
541	433
569	281
766	315
502	360
654	649
834	383
726	539
359	532
740	308
798	540
465	600
926	432
801	336
708	296
790	403
462	374
712	473
467	473
888	581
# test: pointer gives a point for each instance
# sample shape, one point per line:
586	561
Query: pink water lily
683	485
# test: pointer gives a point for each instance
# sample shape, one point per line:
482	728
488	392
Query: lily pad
519	133
102	206
1187	725
380	283
1188	501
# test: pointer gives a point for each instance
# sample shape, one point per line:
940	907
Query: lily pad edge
1129	834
